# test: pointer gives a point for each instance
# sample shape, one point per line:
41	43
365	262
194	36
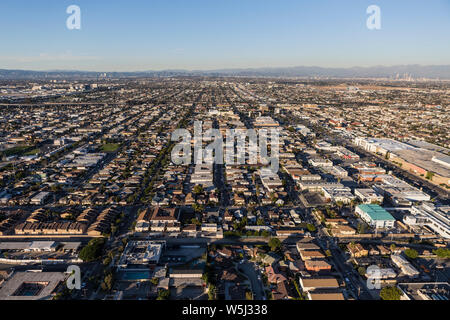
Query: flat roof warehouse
376	212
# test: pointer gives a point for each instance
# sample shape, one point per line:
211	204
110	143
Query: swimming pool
135	276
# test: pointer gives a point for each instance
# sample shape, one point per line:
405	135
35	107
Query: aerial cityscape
225	184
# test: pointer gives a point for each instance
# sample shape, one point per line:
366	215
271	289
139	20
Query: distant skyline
138	35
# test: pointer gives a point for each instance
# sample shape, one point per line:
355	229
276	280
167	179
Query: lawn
32	152
20	151
110	147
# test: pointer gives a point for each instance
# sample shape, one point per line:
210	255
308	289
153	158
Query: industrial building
375	216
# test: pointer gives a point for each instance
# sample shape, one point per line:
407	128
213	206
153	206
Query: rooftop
376	212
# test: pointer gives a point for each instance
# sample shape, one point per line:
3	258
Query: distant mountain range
441	72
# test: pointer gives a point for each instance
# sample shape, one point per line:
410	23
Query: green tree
198	189
93	250
197	207
362	271
443	253
212	292
390	293
108	282
429	175
163	295
107	261
411	253
265	233
274	244
311	227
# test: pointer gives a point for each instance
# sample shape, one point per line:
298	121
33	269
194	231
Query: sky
140	35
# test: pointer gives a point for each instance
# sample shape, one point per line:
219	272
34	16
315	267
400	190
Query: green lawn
110	147
32	152
20	151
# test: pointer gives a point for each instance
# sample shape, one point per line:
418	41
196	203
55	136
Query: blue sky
134	35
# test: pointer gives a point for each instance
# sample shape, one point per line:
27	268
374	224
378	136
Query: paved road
251	272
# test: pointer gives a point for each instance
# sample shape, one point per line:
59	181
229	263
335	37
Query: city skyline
202	35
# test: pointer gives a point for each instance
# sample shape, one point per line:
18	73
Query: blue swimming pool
135	276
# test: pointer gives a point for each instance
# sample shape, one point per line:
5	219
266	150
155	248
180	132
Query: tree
163	295
198	189
108	282
197	207
361	228
212	292
107	261
362	271
274	244
311	227
265	233
93	250
411	253
443	253
154	281
260	222
390	293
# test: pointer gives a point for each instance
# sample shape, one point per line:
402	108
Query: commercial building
404	265
368	195
432	216
382	146
343	194
317	265
265	122
375	216
320	162
318	185
141	253
269	179
309	284
40	198
186	273
325	296
399	190
203	175
32	285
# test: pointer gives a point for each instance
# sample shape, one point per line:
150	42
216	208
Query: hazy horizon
132	36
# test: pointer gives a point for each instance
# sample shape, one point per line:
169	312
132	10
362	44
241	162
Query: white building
368	195
427	214
342	194
40	198
375	216
404	265
320	162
